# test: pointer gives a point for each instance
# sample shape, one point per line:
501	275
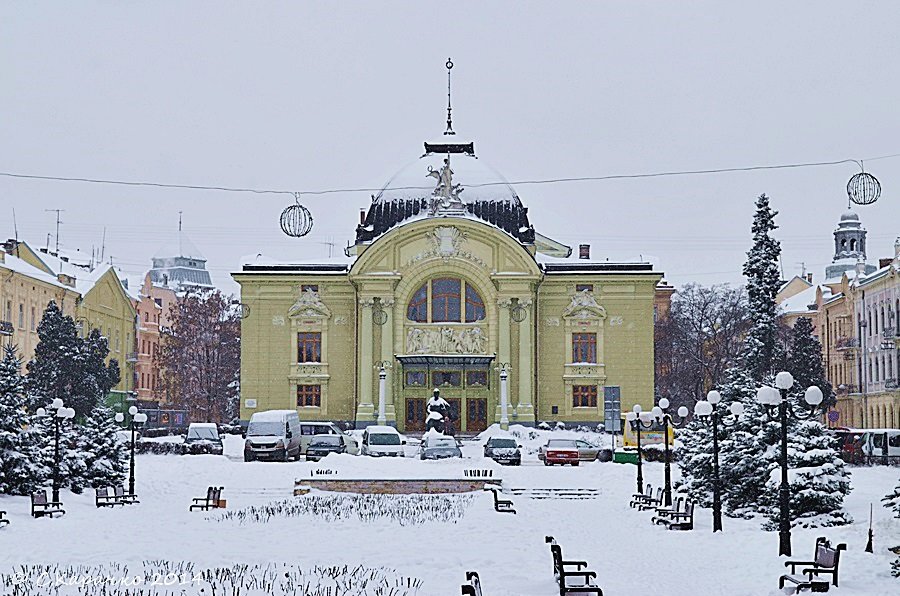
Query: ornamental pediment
446	340
584	306
309	304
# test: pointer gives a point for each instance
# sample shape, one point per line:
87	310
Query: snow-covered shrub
21	471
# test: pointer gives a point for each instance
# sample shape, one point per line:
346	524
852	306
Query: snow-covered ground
630	555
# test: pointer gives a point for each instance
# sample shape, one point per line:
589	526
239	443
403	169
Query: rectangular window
476	378
445	300
446	378
9	311
584	347
584	287
309	347
21	316
474	305
309	288
309	396
584	396
415	378
33	318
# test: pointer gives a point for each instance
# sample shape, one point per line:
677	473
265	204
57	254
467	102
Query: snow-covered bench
651	502
826	562
680	520
638	498
580	580
665	513
127	499
210	501
103	498
500	505
3	519
473	585
40	506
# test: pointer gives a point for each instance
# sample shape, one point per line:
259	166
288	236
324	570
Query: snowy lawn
630	555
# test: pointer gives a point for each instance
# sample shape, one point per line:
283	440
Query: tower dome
447	180
849	246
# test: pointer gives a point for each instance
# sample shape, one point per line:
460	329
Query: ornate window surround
309	314
584	315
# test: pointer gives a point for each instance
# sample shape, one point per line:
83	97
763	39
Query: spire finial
449	130
179	221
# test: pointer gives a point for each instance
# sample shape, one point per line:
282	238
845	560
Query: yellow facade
25	292
531	312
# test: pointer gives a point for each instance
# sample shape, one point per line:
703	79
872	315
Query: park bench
210	501
500	505
473	585
663	513
680	520
563	575
641	497
652	502
103	498
127	499
3	519
40	506
825	562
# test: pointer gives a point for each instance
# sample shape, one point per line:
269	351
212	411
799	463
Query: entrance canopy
446	360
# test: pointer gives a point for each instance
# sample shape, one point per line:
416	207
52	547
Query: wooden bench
40	506
3	519
473	585
102	498
500	505
563	575
652	502
826	561
641	497
680	520
210	501
664	513
127	499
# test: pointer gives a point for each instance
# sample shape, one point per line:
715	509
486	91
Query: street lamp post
708	412
660	414
777	407
137	418
504	394
60	413
638	420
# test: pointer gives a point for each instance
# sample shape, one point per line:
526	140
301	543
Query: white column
504	405
365	409
524	405
387	358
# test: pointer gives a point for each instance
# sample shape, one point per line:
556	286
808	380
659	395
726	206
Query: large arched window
445	300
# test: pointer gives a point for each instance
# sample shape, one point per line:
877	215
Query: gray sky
308	95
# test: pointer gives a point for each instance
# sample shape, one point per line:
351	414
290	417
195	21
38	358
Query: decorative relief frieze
446	340
584	306
278	321
309	304
446	242
616	321
552	321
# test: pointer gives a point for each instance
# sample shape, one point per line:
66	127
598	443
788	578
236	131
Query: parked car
273	435
503	450
435	446
586	451
310	429
321	445
379	441
560	451
204	433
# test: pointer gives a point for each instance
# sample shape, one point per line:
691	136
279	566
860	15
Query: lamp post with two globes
136	419
639	419
708	412
777	407
661	416
61	413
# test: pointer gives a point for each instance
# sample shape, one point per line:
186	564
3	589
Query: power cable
499	183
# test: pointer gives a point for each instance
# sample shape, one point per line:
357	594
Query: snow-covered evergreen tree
21	471
53	369
892	501
103	456
805	362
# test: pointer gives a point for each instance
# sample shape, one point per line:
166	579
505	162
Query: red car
560	451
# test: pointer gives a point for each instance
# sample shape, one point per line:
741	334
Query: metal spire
449	130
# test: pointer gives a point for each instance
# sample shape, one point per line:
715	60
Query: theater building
448	286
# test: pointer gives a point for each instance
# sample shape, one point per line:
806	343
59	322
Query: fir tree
55	364
805	362
20	469
103	455
892	501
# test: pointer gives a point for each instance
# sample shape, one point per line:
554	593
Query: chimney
884	262
809	277
362	217
2	254
584	251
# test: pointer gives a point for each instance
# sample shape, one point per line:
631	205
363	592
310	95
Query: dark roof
576	267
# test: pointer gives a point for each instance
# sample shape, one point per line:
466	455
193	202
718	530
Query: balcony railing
846	389
847	343
6	328
890	383
889	332
131	357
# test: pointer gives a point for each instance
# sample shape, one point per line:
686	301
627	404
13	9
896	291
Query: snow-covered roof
14	263
799	302
271	415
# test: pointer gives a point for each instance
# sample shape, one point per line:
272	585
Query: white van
880	442
274	435
381	441
309	429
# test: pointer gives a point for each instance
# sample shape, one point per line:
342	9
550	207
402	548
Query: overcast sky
303	96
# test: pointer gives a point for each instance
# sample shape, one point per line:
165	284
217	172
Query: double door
475	421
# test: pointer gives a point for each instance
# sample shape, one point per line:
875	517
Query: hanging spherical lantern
296	220
863	189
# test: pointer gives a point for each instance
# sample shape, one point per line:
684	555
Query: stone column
365	410
387	356
503	341
525	404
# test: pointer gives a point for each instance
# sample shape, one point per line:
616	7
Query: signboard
612	409
834	416
249	403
